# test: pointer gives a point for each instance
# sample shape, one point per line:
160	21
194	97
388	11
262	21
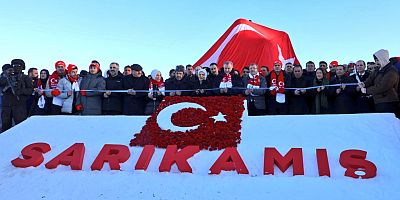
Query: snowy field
378	134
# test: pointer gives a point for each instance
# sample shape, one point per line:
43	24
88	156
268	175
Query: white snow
378	134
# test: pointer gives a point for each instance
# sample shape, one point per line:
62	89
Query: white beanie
383	57
204	71
154	73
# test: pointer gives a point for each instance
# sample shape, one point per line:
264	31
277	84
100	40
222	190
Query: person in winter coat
17	87
201	85
319	96
343	95
277	80
298	98
256	85
51	84
214	71
382	84
179	83
89	102
42	103
135	101
228	82
156	94
364	102
30	104
112	101
68	87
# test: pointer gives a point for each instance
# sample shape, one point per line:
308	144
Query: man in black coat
179	83
228	82
17	87
112	101
135	101
213	75
364	103
342	96
298	104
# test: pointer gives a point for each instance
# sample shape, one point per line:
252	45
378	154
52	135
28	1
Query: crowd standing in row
358	88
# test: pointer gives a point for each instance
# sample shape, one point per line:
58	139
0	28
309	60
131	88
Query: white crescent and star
164	117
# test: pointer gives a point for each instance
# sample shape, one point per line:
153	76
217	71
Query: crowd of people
356	87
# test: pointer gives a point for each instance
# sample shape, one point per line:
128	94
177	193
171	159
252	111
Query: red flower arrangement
210	134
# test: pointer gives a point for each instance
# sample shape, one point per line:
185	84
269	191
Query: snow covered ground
378	134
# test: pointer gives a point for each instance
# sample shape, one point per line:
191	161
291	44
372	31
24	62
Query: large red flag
246	42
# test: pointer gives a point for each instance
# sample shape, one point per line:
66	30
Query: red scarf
226	78
53	80
278	82
40	84
159	84
254	81
72	79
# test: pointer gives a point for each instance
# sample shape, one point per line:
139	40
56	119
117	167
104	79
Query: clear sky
162	34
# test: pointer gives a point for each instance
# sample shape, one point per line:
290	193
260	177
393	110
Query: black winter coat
23	88
183	84
342	103
114	100
135	104
203	85
298	103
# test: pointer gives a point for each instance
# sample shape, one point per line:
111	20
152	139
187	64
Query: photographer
17	87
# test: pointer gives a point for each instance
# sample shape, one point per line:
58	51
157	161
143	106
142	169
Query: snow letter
73	157
229	160
354	161
323	163
145	157
32	155
293	157
172	155
114	154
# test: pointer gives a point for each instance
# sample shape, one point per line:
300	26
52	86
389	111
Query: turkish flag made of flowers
212	123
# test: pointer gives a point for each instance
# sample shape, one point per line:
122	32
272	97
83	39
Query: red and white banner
246	42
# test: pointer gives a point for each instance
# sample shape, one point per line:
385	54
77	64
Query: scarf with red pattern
53	80
254	81
226	81
277	82
159	84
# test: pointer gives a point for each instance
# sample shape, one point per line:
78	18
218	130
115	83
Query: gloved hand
83	92
55	92
79	107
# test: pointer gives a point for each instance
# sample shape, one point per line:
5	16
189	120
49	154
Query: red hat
60	62
278	61
96	65
334	63
71	67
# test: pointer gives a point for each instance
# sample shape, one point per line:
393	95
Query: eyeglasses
359	65
16	65
246	72
277	65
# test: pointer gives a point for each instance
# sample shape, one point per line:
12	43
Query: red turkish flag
208	122
246	42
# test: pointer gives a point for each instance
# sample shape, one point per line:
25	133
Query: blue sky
162	34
